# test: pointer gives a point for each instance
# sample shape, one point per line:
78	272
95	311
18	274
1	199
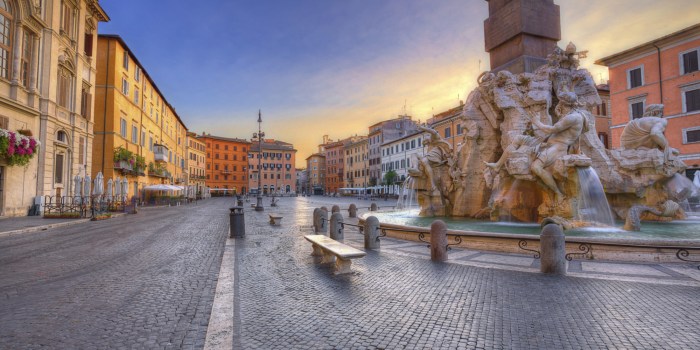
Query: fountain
530	154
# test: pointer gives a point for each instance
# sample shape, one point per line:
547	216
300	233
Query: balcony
160	153
226	172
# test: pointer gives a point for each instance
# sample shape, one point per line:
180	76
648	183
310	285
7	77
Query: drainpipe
661	90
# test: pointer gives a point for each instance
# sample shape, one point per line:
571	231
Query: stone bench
275	220
332	250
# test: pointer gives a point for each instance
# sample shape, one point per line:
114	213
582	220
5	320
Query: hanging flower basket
17	149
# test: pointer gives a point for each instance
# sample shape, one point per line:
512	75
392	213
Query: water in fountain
406	195
593	205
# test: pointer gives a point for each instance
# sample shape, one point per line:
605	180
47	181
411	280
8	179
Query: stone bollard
336	231
323	221
335	209
371	233
352	211
438	241
317	220
553	250
373	207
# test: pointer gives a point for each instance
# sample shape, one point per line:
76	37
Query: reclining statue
648	132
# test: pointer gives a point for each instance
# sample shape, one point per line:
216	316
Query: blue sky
332	67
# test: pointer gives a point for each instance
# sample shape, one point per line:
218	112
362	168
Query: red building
664	70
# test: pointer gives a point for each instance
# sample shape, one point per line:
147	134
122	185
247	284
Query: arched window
61	136
5	38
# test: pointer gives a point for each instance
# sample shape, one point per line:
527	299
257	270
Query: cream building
357	164
47	84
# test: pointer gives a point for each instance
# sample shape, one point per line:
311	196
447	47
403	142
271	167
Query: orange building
227	164
335	165
138	134
278	166
664	70
449	125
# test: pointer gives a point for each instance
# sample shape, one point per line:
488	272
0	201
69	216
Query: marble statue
525	138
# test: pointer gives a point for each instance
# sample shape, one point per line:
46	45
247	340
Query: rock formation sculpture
525	137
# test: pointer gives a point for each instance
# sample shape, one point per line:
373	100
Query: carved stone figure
648	132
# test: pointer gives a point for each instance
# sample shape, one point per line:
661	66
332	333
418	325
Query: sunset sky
317	67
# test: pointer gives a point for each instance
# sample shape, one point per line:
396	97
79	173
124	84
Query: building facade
664	70
138	134
277	166
47	87
196	162
302	183
449	125
226	164
399	155
335	166
357	163
380	133
316	170
603	122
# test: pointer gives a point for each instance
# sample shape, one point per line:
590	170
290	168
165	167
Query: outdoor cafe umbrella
118	187
78	188
110	191
99	184
125	187
696	180
86	186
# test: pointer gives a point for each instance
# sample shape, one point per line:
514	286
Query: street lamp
259	135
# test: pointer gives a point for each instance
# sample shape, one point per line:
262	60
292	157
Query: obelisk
520	33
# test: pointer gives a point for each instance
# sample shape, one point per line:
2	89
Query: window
125	60
137	74
689	61
604	109
5	39
65	84
635	77
636	110
136	96
134	134
125	87
691	100
87	44
122	127
24	66
86	102
143	137
459	129
62	137
67	20
691	135
58	169
603	138
81	150
150	143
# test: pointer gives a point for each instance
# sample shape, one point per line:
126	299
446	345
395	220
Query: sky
334	67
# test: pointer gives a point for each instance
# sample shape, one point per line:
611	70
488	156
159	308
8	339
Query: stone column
317	220
34	69
323	221
336	227
371	233
553	250
335	209
373	207
17	53
438	241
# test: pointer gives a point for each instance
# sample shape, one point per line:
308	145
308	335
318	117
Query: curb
50	226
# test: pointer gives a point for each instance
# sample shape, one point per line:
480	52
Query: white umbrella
696	180
110	190
99	184
86	186
78	188
125	187
118	187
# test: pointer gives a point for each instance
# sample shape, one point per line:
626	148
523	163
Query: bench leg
342	266
328	258
317	251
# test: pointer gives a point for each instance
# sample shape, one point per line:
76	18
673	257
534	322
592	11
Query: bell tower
520	33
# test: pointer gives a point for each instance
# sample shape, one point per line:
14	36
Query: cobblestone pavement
137	281
398	299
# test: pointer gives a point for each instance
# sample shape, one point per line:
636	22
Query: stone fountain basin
583	244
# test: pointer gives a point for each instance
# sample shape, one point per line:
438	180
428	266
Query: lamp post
260	135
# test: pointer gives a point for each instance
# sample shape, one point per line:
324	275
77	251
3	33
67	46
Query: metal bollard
336	231
553	250
372	233
438	241
373	207
237	222
335	209
352	211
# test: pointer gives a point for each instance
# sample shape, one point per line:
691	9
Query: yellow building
137	132
357	164
196	162
316	172
47	82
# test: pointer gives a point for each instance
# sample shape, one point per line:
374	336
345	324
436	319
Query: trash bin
237	224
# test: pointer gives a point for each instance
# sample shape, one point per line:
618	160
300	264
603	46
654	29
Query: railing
81	206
